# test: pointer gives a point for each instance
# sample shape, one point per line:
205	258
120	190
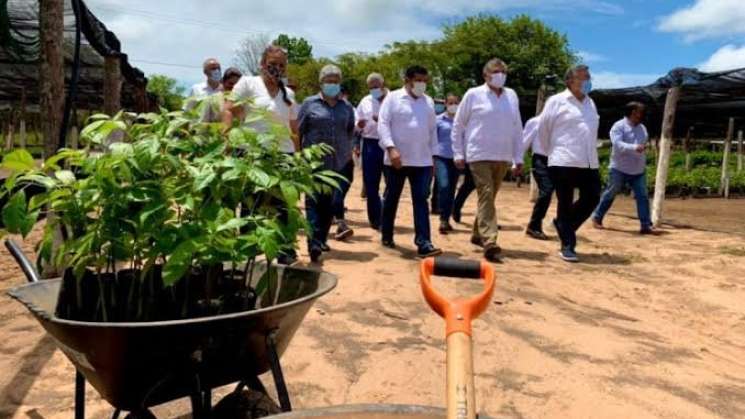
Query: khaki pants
487	175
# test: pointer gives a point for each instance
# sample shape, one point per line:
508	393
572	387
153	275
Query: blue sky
625	42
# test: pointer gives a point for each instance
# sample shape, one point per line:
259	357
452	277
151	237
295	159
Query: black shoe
343	231
536	234
324	247
445	227
288	260
389	244
477	241
456	216
428	250
375	227
568	255
649	231
315	254
492	252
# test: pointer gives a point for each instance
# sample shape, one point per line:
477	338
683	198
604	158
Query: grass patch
732	251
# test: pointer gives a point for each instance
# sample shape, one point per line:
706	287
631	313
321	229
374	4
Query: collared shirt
321	123
253	88
530	132
444	146
200	91
488	127
625	137
368	110
410	125
568	131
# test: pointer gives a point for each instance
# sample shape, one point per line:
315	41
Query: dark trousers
319	210
464	191
419	181
570	215
372	171
340	194
545	190
446	179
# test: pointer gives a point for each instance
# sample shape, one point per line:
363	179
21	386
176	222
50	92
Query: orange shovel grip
458	313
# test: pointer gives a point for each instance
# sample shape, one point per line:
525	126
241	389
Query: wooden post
11	129
739	151
539	103
51	71
663	163
687	149
112	86
725	157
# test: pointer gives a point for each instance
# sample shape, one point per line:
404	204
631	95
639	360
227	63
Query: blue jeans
616	182
340	194
464	191
419	181
319	210
372	171
447	178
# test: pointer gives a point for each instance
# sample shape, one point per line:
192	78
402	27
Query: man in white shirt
568	131
209	87
408	134
487	135
539	168
372	155
268	92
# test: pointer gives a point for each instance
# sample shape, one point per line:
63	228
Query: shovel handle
457	313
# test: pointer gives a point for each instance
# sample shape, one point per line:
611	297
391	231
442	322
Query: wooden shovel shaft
460	387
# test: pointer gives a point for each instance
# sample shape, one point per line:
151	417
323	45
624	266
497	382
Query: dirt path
644	327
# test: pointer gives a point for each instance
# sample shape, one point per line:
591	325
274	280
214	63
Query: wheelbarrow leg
79	395
279	379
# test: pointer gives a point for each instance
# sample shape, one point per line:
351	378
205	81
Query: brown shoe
491	253
597	224
477	241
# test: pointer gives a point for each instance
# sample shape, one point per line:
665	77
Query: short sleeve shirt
253	88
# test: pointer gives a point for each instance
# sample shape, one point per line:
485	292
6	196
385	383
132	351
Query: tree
531	50
170	94
248	54
299	51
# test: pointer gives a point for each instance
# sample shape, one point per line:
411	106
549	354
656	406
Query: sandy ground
644	327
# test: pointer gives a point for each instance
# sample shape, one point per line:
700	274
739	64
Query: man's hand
395	157
640	148
361	124
517	171
460	164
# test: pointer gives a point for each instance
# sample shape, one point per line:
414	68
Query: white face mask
419	88
452	109
497	80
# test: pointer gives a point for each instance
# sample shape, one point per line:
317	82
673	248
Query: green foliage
299	51
531	49
176	192
170	94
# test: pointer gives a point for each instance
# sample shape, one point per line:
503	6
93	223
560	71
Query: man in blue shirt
446	174
325	118
628	166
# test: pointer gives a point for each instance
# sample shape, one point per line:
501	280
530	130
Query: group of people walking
479	137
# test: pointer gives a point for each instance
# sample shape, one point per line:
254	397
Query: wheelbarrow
135	366
461	401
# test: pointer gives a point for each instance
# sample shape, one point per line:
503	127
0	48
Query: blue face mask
376	93
330	89
587	87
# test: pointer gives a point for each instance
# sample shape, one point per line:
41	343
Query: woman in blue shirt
446	174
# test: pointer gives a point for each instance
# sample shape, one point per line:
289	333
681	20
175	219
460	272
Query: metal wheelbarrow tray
137	365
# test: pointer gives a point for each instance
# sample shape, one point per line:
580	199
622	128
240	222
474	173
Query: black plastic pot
137	365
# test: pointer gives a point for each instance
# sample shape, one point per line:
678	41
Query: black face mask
274	72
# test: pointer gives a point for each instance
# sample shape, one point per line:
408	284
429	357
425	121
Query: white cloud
613	80
728	57
187	31
706	19
588	57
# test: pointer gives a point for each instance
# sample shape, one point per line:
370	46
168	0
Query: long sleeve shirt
444	147
530	132
409	124
368	110
488	127
568	131
625	137
321	123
